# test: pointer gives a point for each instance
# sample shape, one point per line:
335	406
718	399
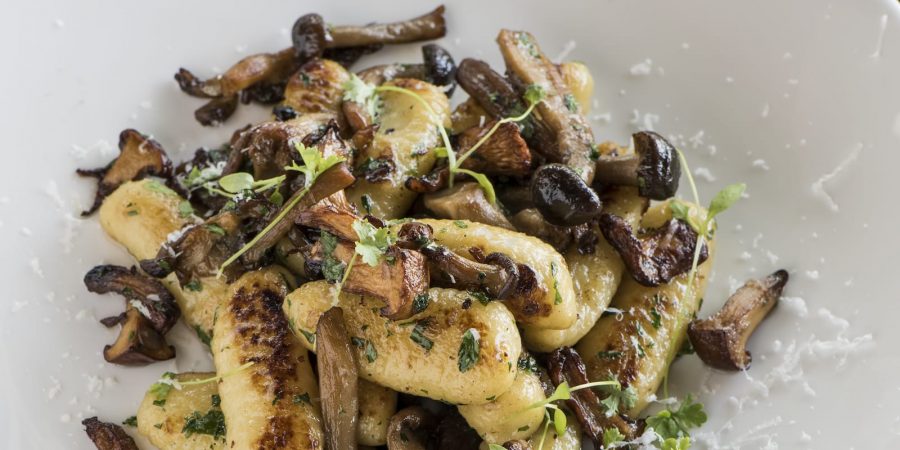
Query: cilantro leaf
612	436
314	164
617	398
676	424
357	90
373	242
469	349
682	443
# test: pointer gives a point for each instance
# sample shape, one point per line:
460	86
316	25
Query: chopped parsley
131	421
204	337
332	268
366	203
212	423
675	424
460	224
570	102
158	187
194	286
553	270
527	363
301	398
185	209
420	302
481	297
215	229
417	335
469	350
366	346
310	337
216	400
609	354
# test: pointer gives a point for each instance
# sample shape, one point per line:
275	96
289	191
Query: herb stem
595	384
281	215
493	129
340	286
217	377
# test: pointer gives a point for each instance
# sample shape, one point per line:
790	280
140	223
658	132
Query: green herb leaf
185	209
373	242
417	335
618	398
527	363
469	350
204	337
131	421
682	443
559	421
215	400
534	94
676	424
553	270
212	423
484	182
420	302
496	447
310	337
570	102
725	198
332	268
366	346
160	390
301	398
237	182
160	188
194	286
612	436
314	164
215	229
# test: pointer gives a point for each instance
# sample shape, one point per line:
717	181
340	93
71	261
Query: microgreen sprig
371	246
314	165
361	92
160	390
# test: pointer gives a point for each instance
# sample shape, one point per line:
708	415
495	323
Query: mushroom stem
618	170
721	340
410	429
654	167
338	378
424	27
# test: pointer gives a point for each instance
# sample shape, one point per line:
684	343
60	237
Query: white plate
799	99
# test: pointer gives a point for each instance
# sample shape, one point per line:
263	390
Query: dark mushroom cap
156	299
562	196
108	436
410	429
440	69
309	36
138	342
659	168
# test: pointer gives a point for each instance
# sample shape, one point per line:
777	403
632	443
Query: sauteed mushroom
108	436
139	156
721	339
411	429
138	342
424	27
654	167
466	201
562	197
338	378
145	293
654	256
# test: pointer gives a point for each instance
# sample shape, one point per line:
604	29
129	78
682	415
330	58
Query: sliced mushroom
566	365
425	27
400	276
573	137
562	196
338	378
721	340
138	342
333	214
466	201
108	436
154	299
655	256
317	87
411	429
500	99
654	167
139	156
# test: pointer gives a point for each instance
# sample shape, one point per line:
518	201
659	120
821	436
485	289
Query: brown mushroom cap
654	167
721	340
157	301
338	377
138	342
108	436
411	429
466	201
517	445
139	156
655	256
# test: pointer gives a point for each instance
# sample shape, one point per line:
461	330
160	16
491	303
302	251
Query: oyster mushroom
654	167
562	196
655	256
143	292
466	201
138	342
721	339
108	436
566	365
411	429
338	378
139	156
572	134
398	278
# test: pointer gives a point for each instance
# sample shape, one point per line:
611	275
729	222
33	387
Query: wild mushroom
138	342
145	294
454	433
348	56
338	377
721	340
573	137
654	167
425	27
440	69
654	256
532	223
411	429
517	445
398	279
309	36
139	156
566	365
466	201
108	436
562	196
